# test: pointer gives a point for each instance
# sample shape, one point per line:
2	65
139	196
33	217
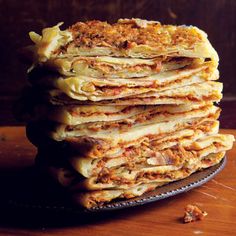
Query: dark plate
33	194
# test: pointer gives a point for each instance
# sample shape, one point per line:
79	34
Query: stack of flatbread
117	110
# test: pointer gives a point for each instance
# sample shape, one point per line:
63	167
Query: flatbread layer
207	91
137	173
127	130
31	109
127	38
116	67
93	198
146	152
85	88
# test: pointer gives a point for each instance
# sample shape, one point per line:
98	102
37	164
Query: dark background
17	18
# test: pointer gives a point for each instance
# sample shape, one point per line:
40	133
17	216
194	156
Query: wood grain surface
217	197
17	18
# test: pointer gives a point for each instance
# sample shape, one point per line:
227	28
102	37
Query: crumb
193	213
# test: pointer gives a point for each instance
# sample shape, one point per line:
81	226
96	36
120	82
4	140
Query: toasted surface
126	38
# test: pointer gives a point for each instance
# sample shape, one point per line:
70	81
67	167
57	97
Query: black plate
30	192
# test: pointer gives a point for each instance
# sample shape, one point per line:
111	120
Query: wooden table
217	197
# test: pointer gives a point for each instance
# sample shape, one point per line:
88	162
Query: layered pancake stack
117	110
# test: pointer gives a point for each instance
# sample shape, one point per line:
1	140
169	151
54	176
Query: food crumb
193	213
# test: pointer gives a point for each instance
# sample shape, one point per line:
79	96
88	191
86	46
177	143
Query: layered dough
147	149
117	110
127	130
85	88
179	157
183	160
93	199
110	67
80	114
207	91
97	139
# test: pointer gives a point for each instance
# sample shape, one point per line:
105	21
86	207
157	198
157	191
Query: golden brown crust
127	35
134	38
